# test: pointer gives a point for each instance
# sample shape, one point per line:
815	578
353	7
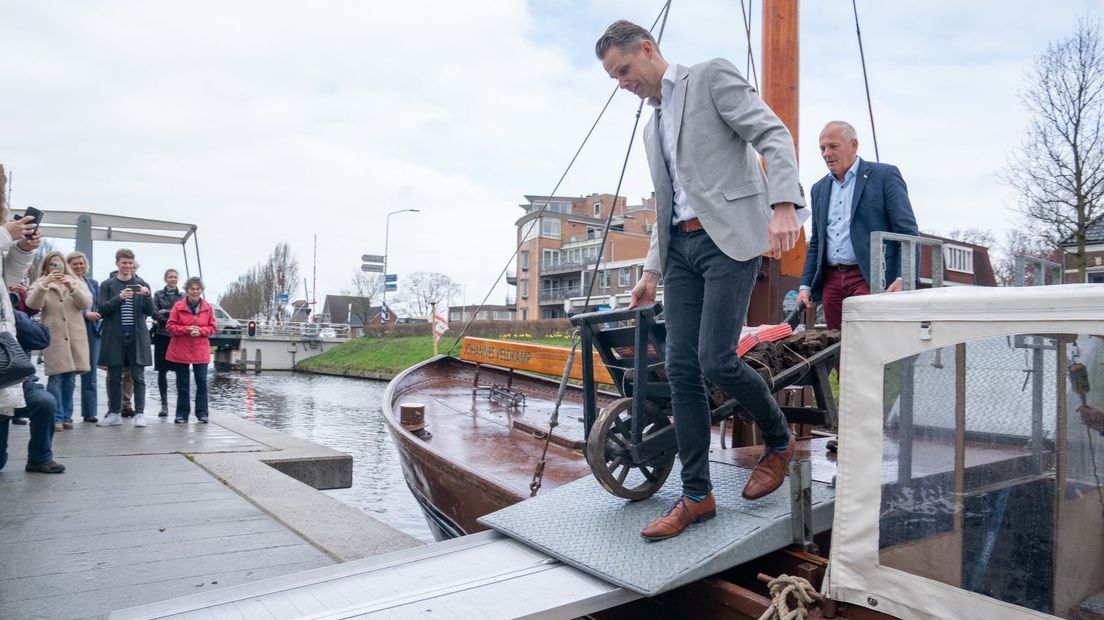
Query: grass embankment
386	356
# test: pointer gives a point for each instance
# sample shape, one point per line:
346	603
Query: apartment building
1094	254
560	247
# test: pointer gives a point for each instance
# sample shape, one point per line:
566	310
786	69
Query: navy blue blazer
93	287
880	203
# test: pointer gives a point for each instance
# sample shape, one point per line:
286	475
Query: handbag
15	366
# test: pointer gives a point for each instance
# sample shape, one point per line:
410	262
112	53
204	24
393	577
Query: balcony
511	300
511	277
560	293
567	266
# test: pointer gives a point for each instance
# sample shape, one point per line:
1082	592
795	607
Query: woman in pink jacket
191	323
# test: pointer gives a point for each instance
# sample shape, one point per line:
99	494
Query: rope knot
781	588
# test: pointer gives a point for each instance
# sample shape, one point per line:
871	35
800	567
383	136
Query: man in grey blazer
716	214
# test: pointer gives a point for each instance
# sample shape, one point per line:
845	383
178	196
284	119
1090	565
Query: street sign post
391	277
372	258
372	267
390	286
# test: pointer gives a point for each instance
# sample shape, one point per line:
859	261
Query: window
523	286
1001	488
624	277
551	259
958	258
529	230
604	278
524	260
597	209
482	316
550	228
525	314
1096	278
548	313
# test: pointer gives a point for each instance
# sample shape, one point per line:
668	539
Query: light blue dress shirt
838	231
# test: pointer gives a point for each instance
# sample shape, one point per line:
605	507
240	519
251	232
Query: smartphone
56	267
135	288
35	214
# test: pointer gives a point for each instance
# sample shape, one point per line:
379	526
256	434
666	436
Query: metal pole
386	240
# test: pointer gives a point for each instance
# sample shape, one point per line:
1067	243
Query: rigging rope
750	53
548	199
866	82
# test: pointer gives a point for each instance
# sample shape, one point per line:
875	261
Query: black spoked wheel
608	455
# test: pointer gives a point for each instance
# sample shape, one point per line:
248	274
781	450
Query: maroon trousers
839	285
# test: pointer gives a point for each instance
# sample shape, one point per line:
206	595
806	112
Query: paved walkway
146	514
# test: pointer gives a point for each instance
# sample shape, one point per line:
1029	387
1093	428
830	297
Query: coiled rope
782	588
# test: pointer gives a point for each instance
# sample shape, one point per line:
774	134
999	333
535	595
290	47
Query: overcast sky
277	121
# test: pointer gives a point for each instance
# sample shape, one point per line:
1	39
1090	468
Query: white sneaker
140	420
111	419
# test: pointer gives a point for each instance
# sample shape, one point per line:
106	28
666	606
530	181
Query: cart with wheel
630	444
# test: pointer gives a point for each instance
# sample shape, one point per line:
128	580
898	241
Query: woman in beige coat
62	296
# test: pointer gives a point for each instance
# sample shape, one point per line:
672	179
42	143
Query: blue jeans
705	301
61	386
115	379
182	388
88	398
40	409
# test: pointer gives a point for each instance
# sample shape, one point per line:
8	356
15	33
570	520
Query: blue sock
692	497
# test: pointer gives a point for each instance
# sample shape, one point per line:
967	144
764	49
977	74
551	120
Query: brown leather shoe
679	517
769	472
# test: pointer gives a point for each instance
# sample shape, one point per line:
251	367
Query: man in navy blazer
856	198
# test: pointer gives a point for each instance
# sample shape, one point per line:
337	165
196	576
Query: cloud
267	122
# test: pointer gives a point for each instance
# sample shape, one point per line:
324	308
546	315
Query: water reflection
339	413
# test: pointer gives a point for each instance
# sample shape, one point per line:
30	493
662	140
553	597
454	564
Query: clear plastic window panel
992	469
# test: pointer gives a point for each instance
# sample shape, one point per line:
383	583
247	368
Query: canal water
337	412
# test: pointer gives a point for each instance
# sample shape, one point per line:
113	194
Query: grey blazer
720	124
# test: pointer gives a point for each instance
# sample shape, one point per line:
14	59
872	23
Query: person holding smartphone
62	299
125	304
18	241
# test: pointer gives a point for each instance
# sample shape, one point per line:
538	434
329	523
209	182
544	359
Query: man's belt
843	267
689	226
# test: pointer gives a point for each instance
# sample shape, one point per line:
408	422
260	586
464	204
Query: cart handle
617	314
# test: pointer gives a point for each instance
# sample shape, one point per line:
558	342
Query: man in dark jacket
163	302
39	408
125	303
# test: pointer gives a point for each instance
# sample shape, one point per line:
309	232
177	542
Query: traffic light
252	329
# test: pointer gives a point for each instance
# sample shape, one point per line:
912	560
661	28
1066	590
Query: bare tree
1059	168
423	289
254	293
363	291
1021	243
976	236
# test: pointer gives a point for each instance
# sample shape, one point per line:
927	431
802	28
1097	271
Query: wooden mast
780	88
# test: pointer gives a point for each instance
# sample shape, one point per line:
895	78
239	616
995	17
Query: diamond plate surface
583	525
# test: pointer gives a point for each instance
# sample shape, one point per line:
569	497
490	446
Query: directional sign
372	267
371	258
391	286
391	277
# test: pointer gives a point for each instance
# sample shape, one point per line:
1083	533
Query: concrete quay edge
285	484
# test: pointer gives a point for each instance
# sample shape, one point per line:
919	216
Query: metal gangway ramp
569	552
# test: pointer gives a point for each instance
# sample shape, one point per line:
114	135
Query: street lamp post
386	239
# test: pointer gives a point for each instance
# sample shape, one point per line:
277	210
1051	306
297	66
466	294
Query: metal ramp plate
586	527
486	575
